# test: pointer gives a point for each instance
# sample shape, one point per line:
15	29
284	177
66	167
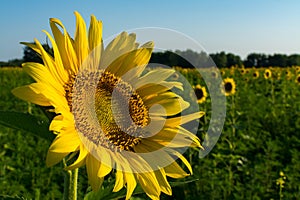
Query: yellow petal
150	89
169	107
176	121
57	123
81	41
185	161
65	45
33	47
56	71
175	171
118	47
92	167
160	98
41	74
129	60
149	184
62	74
65	141
60	41
154	77
80	161
163	182
32	94
104	170
54	158
130	184
119	184
95	34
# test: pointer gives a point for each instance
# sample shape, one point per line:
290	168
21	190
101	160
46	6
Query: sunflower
242	71
201	93
298	79
106	113
228	86
255	74
214	74
267	74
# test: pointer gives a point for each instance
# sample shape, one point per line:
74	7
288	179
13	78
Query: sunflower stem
70	184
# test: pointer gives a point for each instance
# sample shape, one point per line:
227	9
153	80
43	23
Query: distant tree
29	55
12	63
280	60
233	60
220	59
293	59
256	60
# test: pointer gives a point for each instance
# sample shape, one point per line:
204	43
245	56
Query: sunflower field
256	157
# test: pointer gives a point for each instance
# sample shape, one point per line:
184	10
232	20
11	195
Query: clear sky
240	27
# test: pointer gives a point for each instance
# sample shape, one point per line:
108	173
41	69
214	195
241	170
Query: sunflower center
119	110
199	93
228	87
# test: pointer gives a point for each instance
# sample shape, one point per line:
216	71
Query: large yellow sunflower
228	86
108	113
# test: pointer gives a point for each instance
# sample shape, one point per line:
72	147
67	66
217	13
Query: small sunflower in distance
255	74
229	86
201	93
297	80
104	106
267	74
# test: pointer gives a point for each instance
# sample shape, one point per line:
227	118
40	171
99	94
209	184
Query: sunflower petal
81	41
54	158
130	60
130	184
65	45
119	184
149	184
104	170
69	137
41	74
169	107
80	161
92	166
175	171
163	182
62	74
155	76
176	121
32	94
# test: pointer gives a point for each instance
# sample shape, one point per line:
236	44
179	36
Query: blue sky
240	27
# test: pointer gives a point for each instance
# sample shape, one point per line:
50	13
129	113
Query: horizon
234	27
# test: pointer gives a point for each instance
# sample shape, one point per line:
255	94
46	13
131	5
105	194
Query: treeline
189	59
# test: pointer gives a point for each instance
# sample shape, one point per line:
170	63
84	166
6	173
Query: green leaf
26	122
106	193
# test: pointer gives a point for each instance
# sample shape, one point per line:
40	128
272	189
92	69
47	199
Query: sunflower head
297	80
109	111
229	87
214	74
201	93
268	74
242	71
255	74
